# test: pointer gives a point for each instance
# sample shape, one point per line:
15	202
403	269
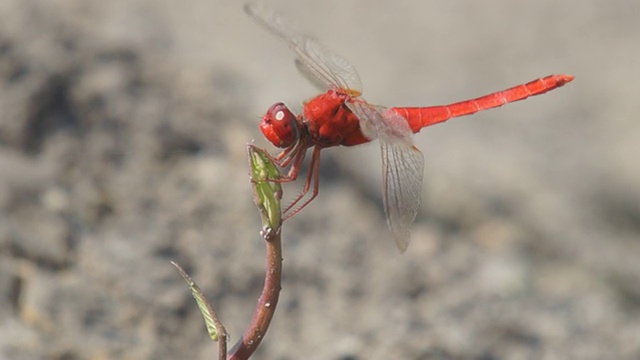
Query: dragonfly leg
287	155
294	161
313	177
291	157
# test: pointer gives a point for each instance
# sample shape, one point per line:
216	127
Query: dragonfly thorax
279	125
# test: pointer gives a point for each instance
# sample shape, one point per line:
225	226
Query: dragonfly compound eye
279	126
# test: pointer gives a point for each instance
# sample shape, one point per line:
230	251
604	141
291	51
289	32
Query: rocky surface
123	127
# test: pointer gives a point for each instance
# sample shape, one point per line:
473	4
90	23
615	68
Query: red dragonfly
341	117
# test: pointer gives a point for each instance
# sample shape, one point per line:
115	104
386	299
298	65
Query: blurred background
123	127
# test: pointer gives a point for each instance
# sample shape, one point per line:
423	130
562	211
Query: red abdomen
419	117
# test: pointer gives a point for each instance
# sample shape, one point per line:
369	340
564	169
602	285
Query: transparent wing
402	166
319	65
402	171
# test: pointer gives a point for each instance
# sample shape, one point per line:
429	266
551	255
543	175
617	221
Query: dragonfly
341	117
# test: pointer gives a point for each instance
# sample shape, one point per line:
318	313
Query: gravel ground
123	127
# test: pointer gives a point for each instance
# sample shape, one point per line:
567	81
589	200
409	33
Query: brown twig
267	195
267	302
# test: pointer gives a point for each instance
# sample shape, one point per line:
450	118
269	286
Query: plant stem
267	195
267	302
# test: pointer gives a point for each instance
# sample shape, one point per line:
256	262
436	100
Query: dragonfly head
280	126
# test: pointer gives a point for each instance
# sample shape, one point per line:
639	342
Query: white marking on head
279	115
